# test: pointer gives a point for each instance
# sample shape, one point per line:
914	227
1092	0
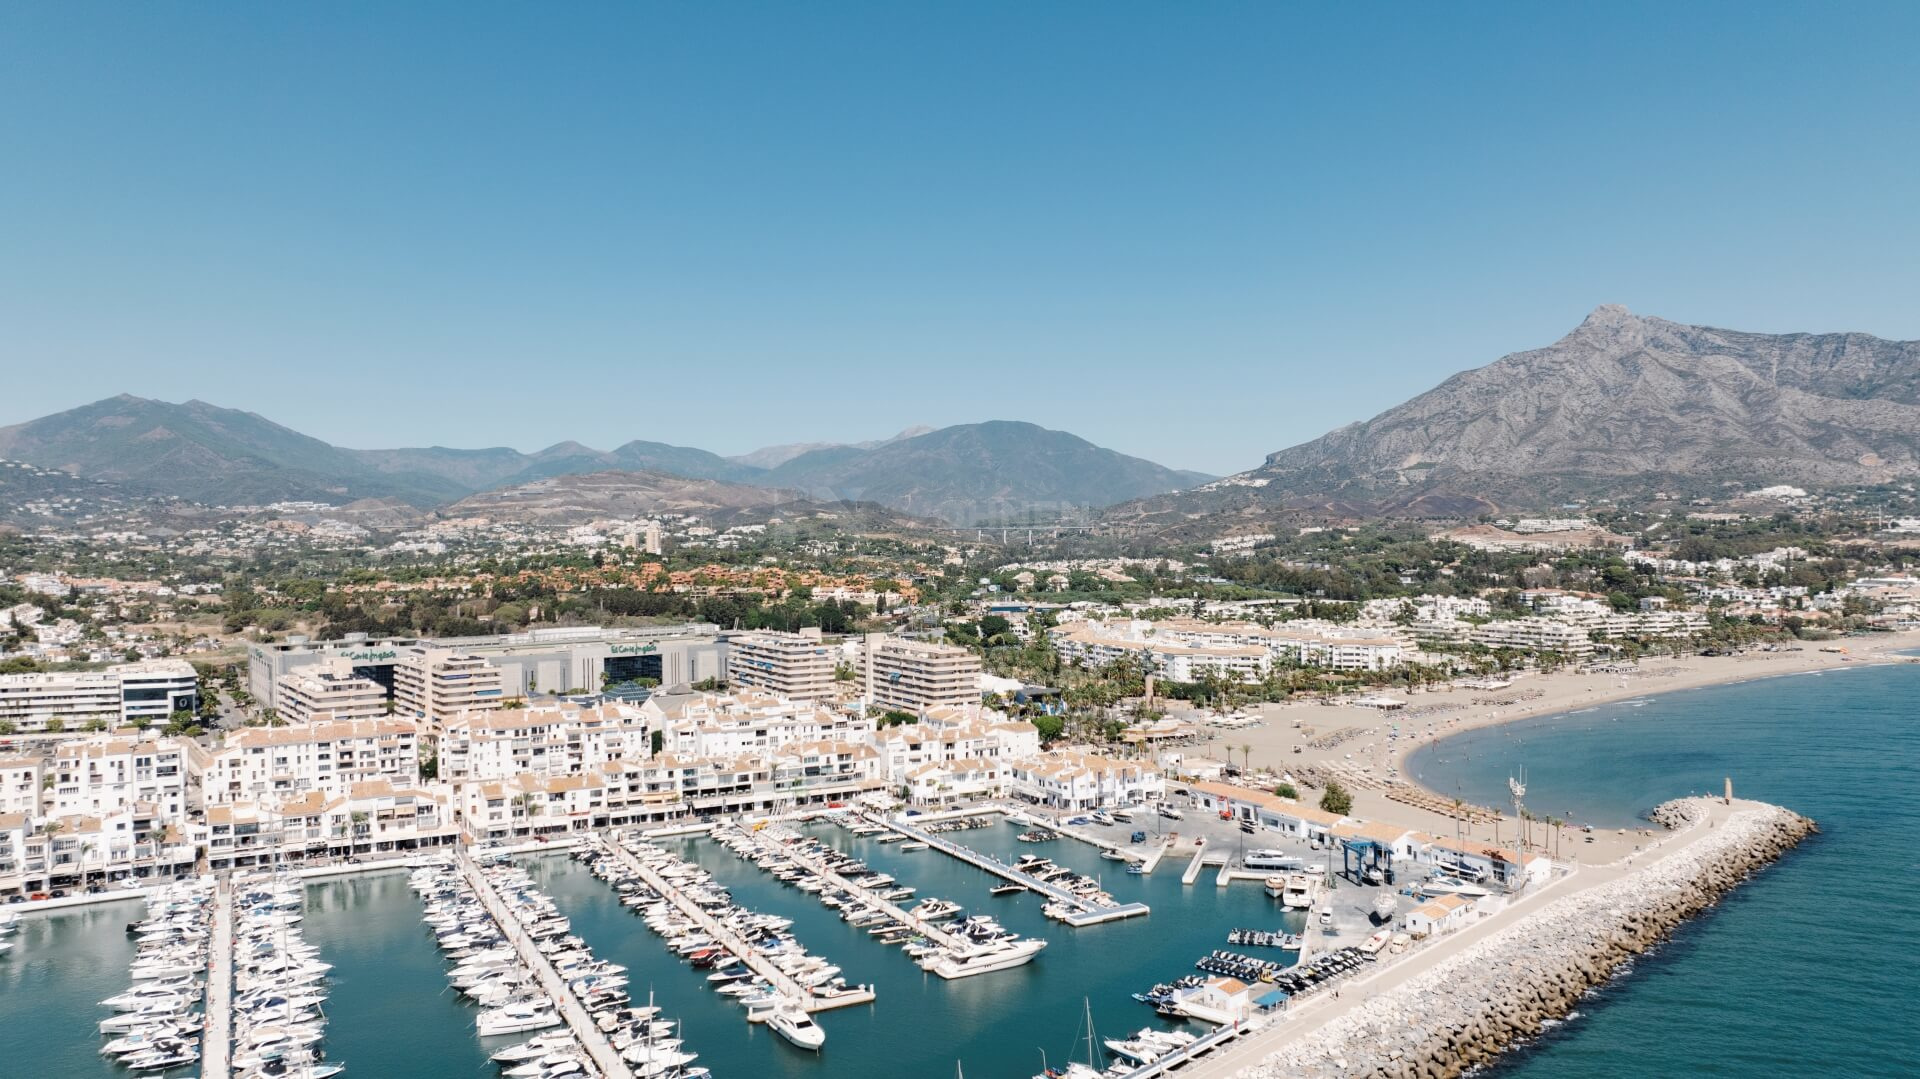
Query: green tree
894	718
1287	790
1335	799
1050	727
657	741
56	725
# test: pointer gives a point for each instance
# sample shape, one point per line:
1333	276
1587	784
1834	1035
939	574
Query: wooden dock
216	1042
1085	913
589	1035
758	963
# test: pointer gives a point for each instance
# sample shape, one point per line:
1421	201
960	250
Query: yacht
987	960
518	1017
794	1024
1271	859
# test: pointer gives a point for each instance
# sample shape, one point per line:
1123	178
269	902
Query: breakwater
1465	1010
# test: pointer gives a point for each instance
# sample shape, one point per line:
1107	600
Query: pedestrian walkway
782	982
216	1050
589	1034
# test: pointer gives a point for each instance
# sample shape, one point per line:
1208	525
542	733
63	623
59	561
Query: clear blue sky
1197	233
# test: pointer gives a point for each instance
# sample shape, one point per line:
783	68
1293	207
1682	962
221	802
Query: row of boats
9	925
712	933
490	970
155	1027
1088	891
965	946
279	984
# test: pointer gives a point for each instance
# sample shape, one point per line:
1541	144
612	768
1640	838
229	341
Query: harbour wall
1501	991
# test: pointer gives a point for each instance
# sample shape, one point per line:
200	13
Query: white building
748	721
100	776
434	684
149	691
912	675
542	740
270	765
329	688
1534	634
1076	781
798	666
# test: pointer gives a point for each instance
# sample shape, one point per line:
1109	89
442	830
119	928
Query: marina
648	863
1074	910
558	996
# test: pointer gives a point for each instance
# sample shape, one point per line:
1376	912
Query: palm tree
1246	757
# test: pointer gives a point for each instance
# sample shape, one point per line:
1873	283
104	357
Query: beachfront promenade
589	1035
782	982
217	1040
1085	913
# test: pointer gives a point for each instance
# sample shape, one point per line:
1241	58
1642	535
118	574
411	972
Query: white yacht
1265	858
794	1024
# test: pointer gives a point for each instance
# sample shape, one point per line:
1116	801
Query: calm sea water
1810	969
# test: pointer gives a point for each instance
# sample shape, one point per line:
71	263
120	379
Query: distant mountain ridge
1623	404
214	455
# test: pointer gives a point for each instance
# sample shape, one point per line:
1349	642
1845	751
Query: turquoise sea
1811	969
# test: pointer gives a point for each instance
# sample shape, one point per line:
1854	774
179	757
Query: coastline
1464	999
1366	759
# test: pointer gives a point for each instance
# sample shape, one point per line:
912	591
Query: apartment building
148	691
371	818
1076	781
136	842
1534	634
329	688
268	766
915	675
798	666
544	740
20	785
748	720
1097	644
104	775
951	783
432	685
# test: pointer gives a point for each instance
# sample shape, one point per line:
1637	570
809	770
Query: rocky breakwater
1466	1009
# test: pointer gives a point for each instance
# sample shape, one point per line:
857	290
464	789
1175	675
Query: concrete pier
598	1047
216	1041
782	982
1153	860
868	896
1085	913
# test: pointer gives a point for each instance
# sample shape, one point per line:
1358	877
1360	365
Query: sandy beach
1366	759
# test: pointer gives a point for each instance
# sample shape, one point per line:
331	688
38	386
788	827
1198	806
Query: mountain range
1624	405
208	454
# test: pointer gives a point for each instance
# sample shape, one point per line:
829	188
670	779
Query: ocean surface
1812	968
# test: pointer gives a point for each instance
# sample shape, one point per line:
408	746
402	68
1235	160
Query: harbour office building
584	659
